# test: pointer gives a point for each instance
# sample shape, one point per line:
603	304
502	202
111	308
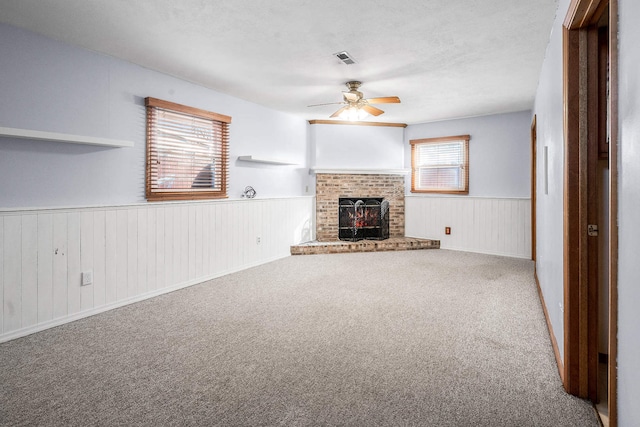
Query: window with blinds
187	152
440	165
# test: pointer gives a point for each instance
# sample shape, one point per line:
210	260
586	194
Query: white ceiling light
353	113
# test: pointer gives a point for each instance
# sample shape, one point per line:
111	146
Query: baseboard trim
23	332
552	336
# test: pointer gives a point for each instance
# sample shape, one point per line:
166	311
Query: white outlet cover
87	278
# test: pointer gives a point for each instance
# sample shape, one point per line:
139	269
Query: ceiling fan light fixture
353	114
356	107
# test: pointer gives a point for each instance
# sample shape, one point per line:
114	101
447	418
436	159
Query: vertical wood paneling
111	256
206	239
12	273
45	267
29	274
60	301
496	226
235	236
191	232
161	245
99	258
142	253
268	244
528	229
86	258
503	217
213	235
242	230
258	223
183	235
2	274
152	237
246	229
218	264
122	246
220	232
73	262
482	224
132	251
172	261
198	234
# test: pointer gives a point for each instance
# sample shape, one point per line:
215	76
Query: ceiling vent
345	58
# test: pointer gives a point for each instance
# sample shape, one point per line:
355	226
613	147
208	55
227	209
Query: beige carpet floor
417	338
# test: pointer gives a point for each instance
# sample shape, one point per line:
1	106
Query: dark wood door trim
575	300
582	96
613	212
534	151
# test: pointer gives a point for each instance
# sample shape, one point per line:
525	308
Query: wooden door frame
534	157
580	92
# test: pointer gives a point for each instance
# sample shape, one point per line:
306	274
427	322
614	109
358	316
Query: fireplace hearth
363	218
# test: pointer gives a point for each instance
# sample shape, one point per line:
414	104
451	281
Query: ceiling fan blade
350	97
328	103
372	110
384	100
337	113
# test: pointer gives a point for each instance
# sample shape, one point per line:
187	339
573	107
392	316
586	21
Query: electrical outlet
87	277
447	230
258	240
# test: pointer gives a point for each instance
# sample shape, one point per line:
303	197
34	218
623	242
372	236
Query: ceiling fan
354	103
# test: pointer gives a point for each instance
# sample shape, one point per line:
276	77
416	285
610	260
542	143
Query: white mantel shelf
360	171
63	137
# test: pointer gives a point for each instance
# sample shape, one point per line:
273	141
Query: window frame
152	193
439	140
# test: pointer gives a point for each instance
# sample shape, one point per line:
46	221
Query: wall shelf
63	137
264	161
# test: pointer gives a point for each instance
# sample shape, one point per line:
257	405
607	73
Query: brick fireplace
330	187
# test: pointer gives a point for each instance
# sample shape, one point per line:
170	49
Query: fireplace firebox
363	218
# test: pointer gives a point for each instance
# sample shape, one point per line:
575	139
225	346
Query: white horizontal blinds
440	165
187	154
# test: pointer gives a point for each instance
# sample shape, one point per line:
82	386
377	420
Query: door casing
582	124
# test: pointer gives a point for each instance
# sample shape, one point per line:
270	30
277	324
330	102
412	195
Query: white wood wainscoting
499	226
135	252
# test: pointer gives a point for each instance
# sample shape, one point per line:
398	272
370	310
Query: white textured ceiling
443	58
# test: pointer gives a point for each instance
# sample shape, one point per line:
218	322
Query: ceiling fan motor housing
354	96
354	85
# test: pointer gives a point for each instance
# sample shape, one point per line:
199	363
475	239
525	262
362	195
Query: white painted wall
51	86
628	219
495	217
350	146
135	252
499	151
549	214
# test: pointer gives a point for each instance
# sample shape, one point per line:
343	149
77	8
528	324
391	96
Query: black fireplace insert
363	218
